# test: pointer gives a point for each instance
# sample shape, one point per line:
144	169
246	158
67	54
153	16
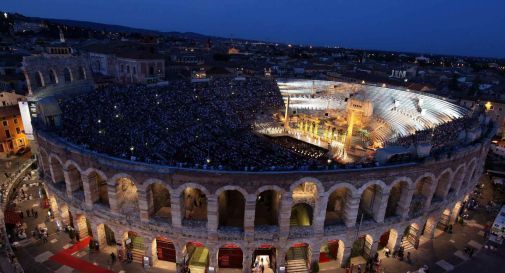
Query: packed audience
202	125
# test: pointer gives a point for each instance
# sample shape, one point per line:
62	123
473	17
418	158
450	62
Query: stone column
212	216
148	250
213	256
249	215
285	214
351	209
143	206
68	182
281	258
89	193
404	205
175	210
315	252
246	260
113	202
346	258
320	214
380	205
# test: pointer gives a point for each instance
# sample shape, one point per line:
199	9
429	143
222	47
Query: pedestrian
408	258
27	213
359	268
36	213
112	258
33	211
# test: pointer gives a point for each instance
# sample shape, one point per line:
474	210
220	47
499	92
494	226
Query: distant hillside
119	28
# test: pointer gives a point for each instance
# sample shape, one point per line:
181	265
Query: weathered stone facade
440	183
45	70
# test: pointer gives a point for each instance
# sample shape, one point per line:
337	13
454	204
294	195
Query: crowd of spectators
184	124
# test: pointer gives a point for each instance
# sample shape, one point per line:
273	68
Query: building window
134	70
122	68
7	134
127	69
5	123
18	131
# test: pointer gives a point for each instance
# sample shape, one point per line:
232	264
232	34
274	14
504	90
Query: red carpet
323	258
65	257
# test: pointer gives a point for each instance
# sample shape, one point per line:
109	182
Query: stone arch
127	200
39	79
362	246
410	236
269	187
442	185
332	250
163	249
336	203
53	77
82	72
230	255
388	239
230	188
193	203
158	200
106	237
231	206
74	182
457	179
423	191
98	187
56	167
267	207
67	75
398	196
302	214
370	200
318	184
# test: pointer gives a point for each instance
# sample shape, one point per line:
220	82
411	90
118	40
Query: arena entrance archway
134	244
57	174
410	237
106	239
387	241
361	250
443	185
298	257
230	256
82	226
196	256
332	253
67	75
335	210
193	206
265	255
158	202
301	215
444	221
163	253
267	208
231	204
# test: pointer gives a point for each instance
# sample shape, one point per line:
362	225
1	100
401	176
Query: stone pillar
89	192
68	182
380	205
143	206
113	202
346	258
320	214
148	250
212	215
249	215
455	213
285	214
315	252
281	258
246	260
213	256
404	205
351	209
175	210
375	245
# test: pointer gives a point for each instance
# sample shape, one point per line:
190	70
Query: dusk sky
458	27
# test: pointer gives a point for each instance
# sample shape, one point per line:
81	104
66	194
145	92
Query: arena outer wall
456	173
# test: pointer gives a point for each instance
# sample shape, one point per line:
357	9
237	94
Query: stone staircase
296	261
138	255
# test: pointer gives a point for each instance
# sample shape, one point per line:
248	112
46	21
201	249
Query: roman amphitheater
368	191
